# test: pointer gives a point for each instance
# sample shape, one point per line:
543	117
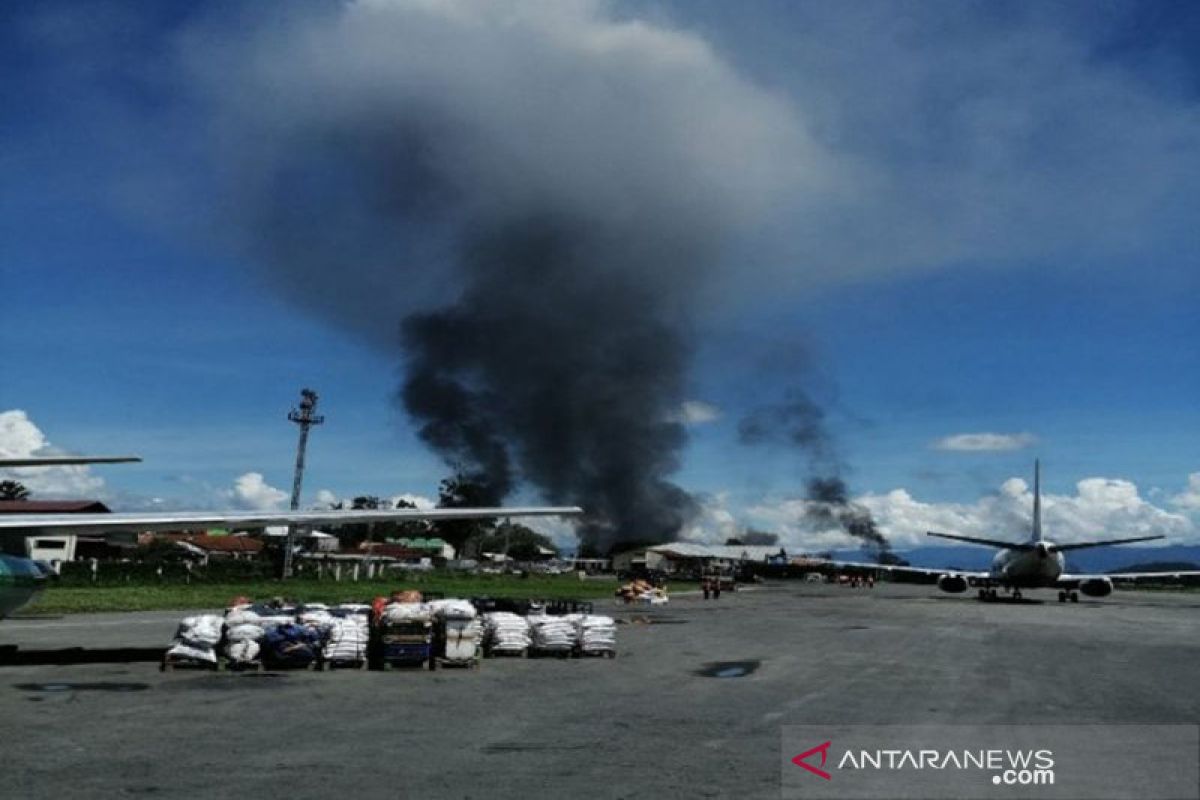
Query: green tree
350	536
411	528
13	490
520	542
464	491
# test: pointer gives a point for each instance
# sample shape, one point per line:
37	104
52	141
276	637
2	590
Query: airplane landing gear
1065	596
1062	597
1074	597
983	594
1016	595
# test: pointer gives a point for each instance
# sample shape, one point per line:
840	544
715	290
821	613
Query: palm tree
12	490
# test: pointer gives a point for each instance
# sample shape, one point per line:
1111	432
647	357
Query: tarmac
692	706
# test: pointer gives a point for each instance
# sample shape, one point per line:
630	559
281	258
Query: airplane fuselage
1037	567
20	582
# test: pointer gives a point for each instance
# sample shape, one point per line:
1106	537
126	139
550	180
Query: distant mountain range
1100	559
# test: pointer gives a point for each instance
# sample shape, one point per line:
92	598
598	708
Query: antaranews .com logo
1003	767
1005	762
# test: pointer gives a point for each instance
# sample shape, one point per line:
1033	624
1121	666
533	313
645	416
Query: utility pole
305	416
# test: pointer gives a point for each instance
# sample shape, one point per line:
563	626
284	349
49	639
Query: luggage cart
401	644
358	661
458	642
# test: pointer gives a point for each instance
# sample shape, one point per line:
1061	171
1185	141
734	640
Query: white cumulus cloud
1189	499
985	442
21	438
324	499
422	502
252	493
1100	508
715	523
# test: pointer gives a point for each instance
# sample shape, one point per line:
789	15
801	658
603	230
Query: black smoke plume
536	194
799	421
829	504
544	370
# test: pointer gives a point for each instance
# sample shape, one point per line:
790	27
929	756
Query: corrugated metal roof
735	552
226	544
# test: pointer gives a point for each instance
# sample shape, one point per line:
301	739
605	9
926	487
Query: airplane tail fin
1037	501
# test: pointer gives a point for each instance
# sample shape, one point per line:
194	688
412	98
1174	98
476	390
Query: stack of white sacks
348	631
506	633
552	634
461	628
244	632
395	613
345	631
452	609
315	616
196	640
597	634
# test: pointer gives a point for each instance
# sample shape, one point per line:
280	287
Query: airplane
22	579
1033	564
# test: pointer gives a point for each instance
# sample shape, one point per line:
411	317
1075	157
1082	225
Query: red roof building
53	507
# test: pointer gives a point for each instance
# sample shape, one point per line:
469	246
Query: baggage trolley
458	643
401	644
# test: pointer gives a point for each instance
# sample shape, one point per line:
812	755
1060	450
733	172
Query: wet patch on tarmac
230	681
856	628
648	620
531	747
16	657
728	669
98	686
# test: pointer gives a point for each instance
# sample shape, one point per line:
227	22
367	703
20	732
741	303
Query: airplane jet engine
1096	587
952	583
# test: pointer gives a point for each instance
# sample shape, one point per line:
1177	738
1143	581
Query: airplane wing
1062	548
1071	581
893	569
976	540
191	520
62	461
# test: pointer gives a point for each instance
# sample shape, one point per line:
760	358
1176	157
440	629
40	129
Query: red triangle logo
823	749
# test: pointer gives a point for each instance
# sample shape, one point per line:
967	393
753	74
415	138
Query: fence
148	573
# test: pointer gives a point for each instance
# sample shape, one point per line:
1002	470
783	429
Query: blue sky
1018	255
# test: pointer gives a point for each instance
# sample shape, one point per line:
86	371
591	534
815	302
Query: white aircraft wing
61	461
191	520
893	569
1072	581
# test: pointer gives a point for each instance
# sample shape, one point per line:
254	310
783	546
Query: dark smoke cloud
799	422
541	367
829	505
540	192
759	538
